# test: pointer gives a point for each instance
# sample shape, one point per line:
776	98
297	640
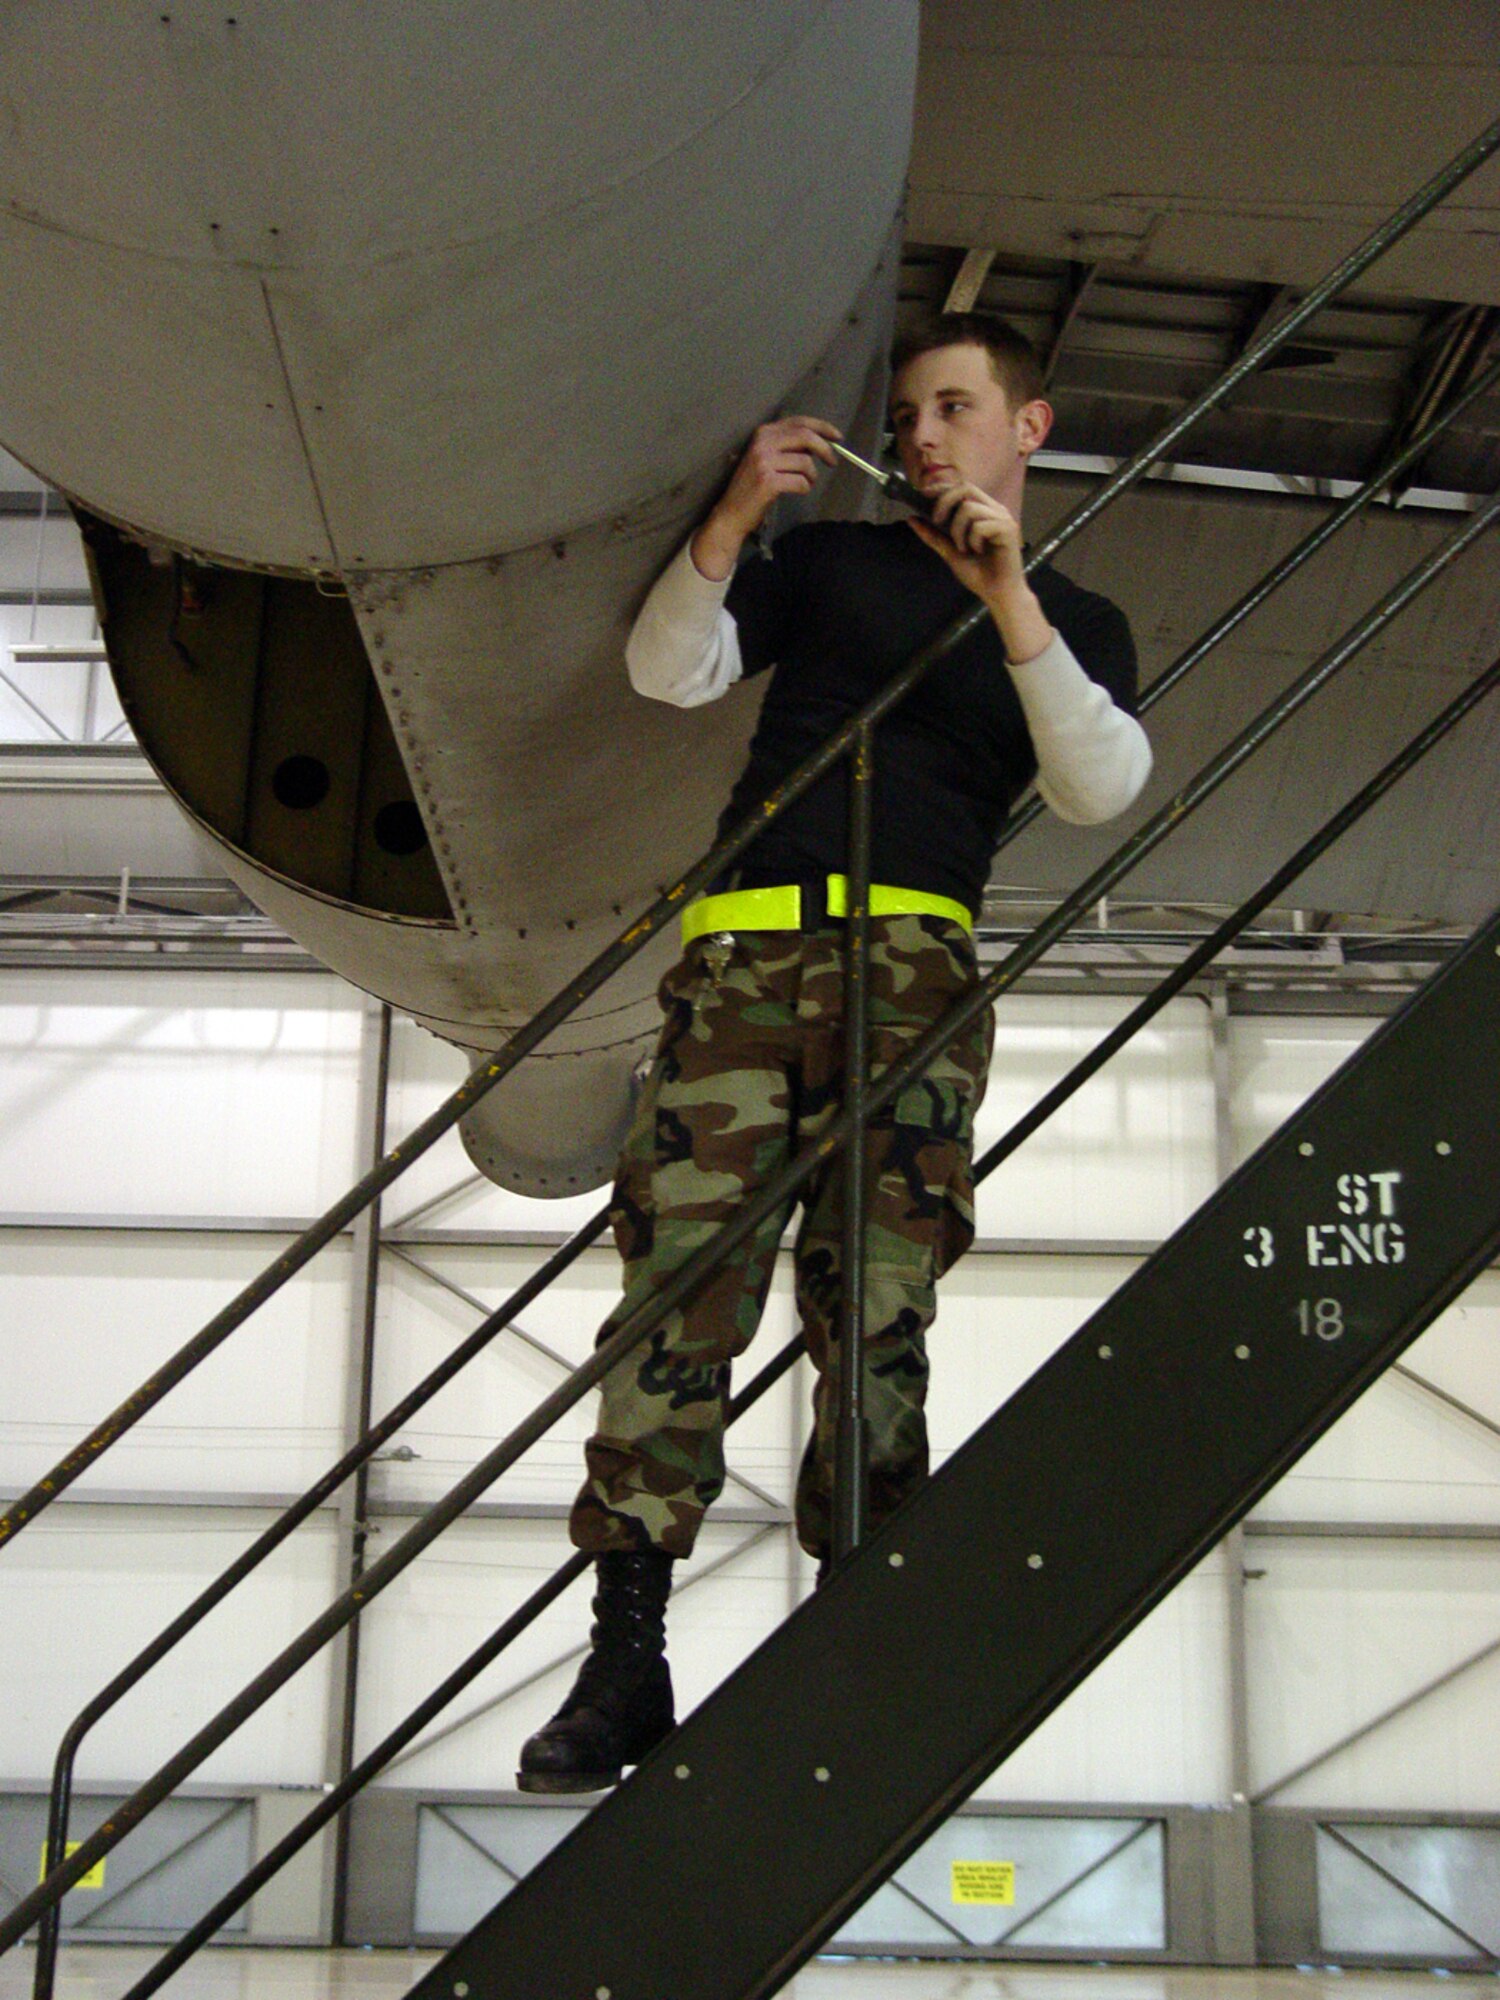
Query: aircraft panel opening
254	697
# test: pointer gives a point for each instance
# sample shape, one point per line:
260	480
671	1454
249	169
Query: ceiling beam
1077	283
1446	366
969	283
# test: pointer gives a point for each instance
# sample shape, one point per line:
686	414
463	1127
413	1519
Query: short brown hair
1013	359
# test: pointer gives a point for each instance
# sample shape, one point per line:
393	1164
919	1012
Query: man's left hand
980	541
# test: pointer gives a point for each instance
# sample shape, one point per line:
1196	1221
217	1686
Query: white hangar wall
165	1131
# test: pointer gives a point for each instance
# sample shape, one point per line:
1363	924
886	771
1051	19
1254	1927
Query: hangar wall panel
90	1315
40	555
200	1094
234	1096
1152	1105
87	1587
1404	1453
1340	1633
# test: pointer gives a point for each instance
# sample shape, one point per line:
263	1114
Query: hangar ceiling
1128	346
1227	139
1143	186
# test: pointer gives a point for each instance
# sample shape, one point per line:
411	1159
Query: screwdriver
895	485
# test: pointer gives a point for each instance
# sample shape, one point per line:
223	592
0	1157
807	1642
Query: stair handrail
369	1767
416	1398
778	1190
542	1024
1386	475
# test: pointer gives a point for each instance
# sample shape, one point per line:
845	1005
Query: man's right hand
783	458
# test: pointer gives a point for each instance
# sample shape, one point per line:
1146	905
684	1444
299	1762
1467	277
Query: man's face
953	421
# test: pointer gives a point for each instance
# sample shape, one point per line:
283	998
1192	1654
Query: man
749	1066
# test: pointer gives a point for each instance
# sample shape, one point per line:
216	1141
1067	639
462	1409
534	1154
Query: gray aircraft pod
386	353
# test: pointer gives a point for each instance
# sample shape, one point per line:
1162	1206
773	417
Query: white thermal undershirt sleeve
1092	758
684	646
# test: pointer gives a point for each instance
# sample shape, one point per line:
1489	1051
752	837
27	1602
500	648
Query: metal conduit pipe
602	968
783	1185
526	1614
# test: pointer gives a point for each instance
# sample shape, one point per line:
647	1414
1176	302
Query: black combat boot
621	1704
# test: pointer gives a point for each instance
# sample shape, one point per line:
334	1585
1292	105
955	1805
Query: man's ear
1033	421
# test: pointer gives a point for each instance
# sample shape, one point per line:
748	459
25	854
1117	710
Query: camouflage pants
749	1069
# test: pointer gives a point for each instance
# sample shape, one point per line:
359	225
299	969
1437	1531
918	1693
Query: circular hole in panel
300	782
399	828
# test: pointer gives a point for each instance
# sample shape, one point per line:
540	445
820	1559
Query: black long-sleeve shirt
833	613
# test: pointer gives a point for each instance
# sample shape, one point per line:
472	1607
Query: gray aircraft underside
388	352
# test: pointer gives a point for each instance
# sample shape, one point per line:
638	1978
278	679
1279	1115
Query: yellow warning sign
984	1881
93	1880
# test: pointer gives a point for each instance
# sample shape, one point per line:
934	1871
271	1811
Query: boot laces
628	1635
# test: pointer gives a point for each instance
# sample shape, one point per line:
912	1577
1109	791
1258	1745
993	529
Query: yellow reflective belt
780	908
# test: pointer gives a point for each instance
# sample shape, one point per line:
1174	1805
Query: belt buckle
812	905
718	949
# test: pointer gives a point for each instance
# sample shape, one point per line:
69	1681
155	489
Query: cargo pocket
927	1174
631	1209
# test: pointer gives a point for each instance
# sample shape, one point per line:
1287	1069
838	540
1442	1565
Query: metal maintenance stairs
834	1750
786	1799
